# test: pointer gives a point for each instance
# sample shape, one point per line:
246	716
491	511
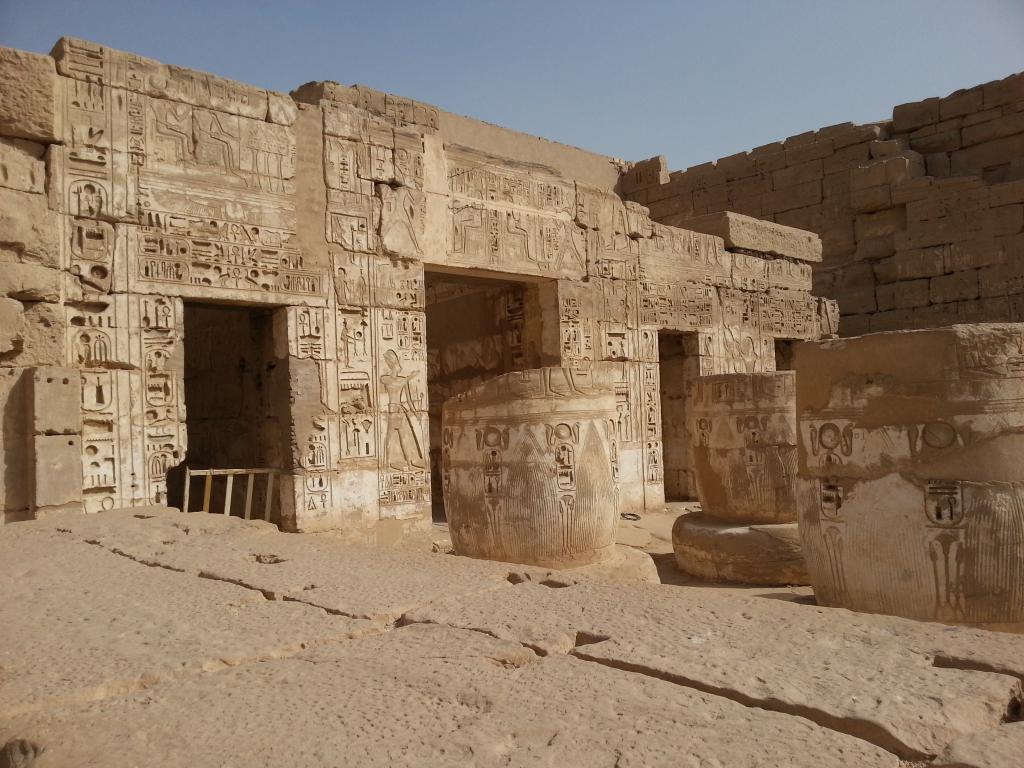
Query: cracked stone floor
159	639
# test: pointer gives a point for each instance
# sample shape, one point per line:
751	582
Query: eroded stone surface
529	469
313	570
84	623
862	675
463	698
767	553
910	470
1000	747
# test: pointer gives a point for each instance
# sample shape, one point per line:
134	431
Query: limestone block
58	470
908	265
56	401
910	498
21	165
43	335
281	109
1005	91
766	554
799	196
907	117
955	287
29	228
15	442
529	469
960	103
95	63
744	428
11	324
751	234
28	96
30	282
941	137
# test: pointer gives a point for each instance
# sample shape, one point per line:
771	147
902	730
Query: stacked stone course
921	217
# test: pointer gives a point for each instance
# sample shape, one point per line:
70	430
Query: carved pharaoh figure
402	445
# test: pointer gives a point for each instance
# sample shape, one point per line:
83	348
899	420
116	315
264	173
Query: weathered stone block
936	138
765	553
809	152
908	294
281	109
954	287
22	167
56	401
29	228
880	224
752	234
28	96
12	318
58	470
908	117
1007	125
799	196
30	282
961	103
989	154
910	498
1005	91
868	199
937	164
797	174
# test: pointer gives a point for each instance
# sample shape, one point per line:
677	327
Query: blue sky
690	80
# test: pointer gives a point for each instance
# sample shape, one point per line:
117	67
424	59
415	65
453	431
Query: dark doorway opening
478	327
679	366
236	401
783	355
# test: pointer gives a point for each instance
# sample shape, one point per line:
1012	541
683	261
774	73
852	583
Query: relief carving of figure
402	447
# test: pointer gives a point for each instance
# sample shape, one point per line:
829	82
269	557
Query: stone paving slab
874	677
78	622
426	696
157	644
369	583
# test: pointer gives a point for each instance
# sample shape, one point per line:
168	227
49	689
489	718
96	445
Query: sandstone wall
131	190
921	217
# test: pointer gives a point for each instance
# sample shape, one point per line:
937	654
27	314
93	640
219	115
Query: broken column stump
744	428
911	469
529	469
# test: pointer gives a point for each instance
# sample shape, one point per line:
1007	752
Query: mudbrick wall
921	217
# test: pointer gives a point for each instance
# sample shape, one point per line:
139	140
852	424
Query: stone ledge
739	231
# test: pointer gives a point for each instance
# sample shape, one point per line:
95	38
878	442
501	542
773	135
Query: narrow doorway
783	354
478	327
236	400
678	363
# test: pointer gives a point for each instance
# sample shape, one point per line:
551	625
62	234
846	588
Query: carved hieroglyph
529	469
911	497
137	189
744	445
744	433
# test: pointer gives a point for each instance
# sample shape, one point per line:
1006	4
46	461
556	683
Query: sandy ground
151	638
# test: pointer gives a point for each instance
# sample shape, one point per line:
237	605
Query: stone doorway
679	366
236	400
479	325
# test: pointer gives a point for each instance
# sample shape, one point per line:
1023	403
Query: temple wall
134	192
921	217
